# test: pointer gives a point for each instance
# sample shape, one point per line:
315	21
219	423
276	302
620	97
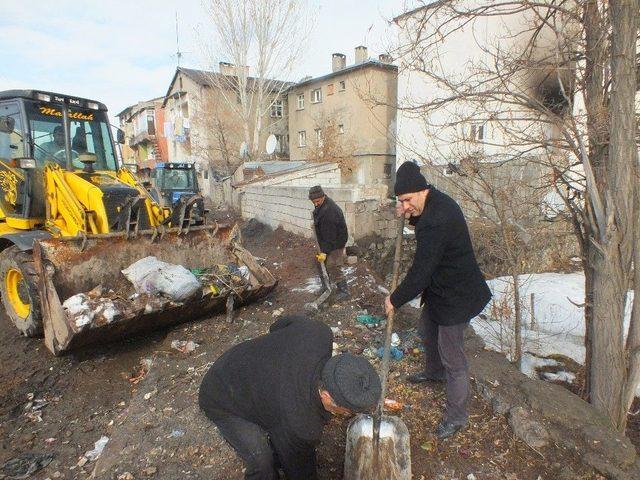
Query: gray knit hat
352	382
316	192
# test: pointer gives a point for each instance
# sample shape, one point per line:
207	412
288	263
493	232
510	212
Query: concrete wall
289	207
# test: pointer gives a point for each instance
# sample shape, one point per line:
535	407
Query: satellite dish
244	150
271	144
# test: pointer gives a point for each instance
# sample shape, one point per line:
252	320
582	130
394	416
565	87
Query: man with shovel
331	232
446	273
271	396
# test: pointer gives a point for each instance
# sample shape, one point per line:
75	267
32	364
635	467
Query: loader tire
19	291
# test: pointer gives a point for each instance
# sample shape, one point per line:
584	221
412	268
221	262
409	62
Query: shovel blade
394	450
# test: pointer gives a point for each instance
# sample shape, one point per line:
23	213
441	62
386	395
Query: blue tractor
176	187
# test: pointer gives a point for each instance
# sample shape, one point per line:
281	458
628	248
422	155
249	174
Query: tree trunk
623	174
517	327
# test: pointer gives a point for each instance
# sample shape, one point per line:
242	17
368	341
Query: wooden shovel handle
384	369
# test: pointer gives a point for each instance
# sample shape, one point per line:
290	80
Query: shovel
377	446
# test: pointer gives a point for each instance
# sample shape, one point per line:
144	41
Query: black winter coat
272	381
444	268
331	229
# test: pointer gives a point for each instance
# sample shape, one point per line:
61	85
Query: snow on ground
558	317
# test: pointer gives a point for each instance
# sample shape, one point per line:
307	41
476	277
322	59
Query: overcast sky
120	52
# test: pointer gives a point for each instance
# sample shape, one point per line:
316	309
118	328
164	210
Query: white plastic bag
152	276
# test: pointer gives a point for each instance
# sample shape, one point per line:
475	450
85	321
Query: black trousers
445	358
251	442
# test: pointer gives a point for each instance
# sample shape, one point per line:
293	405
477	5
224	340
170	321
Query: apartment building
202	126
347	116
142	124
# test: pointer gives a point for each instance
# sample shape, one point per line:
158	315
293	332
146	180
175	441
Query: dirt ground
142	394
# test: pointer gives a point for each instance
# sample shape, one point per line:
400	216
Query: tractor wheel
18	287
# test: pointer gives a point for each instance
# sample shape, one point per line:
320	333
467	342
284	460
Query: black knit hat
409	179
316	192
352	382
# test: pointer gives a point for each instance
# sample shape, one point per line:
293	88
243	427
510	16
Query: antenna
178	52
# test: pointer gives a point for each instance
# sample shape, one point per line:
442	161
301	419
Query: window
341	128
276	109
477	132
302	138
151	127
316	95
342	85
11	144
318	132
330	89
301	101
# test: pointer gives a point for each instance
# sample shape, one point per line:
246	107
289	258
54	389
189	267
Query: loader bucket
68	266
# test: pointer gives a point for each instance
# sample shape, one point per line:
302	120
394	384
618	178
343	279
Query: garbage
392	405
395	352
277	312
367	319
395	339
176	434
184	346
99	445
223	278
150	275
84	308
26	465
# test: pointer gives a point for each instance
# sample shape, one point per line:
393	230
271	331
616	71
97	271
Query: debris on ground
184	346
26	465
98	447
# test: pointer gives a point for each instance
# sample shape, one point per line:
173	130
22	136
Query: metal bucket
67	266
394	450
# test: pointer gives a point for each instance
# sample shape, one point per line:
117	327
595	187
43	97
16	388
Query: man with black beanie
271	396
446	273
331	232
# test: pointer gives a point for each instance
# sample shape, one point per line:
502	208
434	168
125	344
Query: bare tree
217	144
269	36
556	82
330	143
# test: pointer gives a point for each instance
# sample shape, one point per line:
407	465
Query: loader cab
175	180
46	128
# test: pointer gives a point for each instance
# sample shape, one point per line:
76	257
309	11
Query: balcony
142	137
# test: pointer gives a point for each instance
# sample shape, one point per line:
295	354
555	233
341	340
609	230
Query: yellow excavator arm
157	214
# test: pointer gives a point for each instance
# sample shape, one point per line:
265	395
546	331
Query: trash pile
222	279
157	284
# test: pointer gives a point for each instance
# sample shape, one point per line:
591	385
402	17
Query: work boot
342	291
447	429
422	377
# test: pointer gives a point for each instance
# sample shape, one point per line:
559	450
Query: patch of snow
313	285
558	316
559	376
531	362
382	289
346	271
83	320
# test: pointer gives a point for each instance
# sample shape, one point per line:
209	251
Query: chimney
385	58
361	54
338	62
231	69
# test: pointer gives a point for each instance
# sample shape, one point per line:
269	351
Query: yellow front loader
71	221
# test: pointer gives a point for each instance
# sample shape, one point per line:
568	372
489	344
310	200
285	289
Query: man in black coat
332	235
446	273
271	396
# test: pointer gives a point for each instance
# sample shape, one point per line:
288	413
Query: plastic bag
150	275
